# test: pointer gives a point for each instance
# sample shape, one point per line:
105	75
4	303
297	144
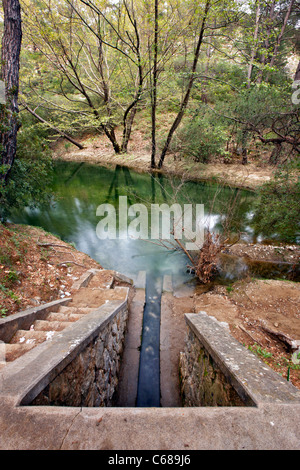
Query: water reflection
80	188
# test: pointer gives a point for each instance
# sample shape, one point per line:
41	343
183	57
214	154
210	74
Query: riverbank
36	267
97	150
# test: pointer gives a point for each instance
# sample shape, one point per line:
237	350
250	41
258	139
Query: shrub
202	137
277	210
30	178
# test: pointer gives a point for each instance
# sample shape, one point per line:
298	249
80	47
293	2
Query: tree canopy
209	78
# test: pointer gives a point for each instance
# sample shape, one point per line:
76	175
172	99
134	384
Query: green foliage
31	175
9	293
277	210
203	136
3	312
81	65
263	353
225	110
11	277
261	101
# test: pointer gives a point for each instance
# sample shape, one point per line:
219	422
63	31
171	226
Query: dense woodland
207	79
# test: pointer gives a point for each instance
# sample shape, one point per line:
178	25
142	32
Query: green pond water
79	188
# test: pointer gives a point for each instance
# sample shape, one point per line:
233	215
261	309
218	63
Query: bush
277	210
203	137
30	178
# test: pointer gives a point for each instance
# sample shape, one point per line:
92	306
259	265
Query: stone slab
252	379
140	281
167	283
269	427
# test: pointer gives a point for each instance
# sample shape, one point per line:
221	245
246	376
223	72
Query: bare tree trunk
154	87
297	74
185	100
244	149
274	157
110	133
130	112
10	57
127	125
279	39
254	49
269	26
108	130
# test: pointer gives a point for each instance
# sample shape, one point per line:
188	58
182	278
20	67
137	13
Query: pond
80	188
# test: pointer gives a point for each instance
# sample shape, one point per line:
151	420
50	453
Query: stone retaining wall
78	367
91	378
202	382
216	370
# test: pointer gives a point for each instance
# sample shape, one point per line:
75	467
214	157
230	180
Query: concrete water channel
147	372
148	391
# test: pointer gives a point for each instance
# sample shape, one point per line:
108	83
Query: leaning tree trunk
185	100
280	36
154	89
297	74
10	58
255	46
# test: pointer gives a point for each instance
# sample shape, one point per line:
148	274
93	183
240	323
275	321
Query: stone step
75	309
102	280
167	283
93	297
44	325
64	317
31	336
13	351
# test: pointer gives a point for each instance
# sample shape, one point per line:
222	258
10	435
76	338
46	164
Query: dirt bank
250	307
264	315
36	267
97	150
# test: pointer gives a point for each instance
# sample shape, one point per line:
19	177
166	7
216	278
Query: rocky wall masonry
216	370
91	379
202	382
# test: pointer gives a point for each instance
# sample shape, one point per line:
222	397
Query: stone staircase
84	301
